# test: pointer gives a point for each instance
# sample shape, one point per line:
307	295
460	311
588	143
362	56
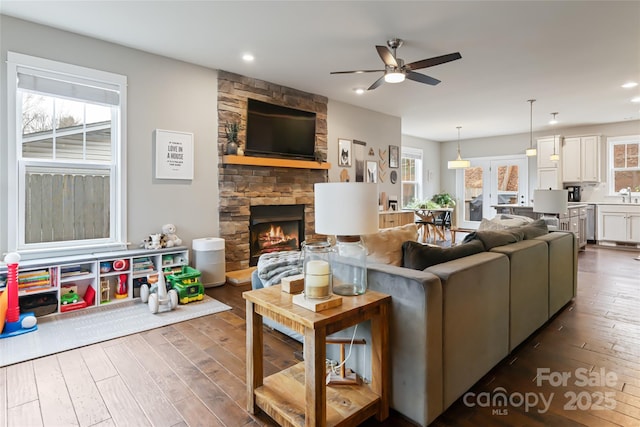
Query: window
411	171
624	170
69	163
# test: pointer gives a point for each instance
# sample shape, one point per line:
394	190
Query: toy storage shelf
57	285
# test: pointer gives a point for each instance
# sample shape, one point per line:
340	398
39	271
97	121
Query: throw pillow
534	229
492	238
419	257
502	222
385	246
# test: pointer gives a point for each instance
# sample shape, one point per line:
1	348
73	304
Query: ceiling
572	56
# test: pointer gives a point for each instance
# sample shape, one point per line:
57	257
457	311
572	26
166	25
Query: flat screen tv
277	131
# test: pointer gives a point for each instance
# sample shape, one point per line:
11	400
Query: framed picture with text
174	155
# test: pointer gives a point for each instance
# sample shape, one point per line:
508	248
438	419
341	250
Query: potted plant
231	130
444	200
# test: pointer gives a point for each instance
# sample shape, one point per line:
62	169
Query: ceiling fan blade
356	72
386	56
421	78
436	60
376	83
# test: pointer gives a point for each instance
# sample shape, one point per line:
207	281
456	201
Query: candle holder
318	279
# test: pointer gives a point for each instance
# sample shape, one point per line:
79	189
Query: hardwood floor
192	373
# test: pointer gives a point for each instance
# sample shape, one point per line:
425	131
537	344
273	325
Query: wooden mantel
273	162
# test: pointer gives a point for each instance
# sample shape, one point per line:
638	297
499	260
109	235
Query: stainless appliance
574	192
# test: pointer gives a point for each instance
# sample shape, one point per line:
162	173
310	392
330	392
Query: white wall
162	93
378	130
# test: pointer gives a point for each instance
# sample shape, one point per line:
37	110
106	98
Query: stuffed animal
169	231
154	241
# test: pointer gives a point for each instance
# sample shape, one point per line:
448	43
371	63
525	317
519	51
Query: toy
70	297
169	231
158	294
16	323
121	292
153	241
187	284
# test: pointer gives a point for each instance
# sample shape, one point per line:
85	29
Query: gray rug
83	327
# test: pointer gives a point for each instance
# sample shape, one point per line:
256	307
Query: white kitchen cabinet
581	159
546	147
618	223
549	174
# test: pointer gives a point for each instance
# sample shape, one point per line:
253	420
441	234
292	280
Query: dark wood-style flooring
193	373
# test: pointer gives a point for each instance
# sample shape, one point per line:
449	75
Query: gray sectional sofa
454	321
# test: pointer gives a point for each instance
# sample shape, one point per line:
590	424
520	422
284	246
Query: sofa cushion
503	222
419	256
385	246
491	239
535	229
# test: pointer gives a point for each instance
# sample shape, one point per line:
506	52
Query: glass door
490	182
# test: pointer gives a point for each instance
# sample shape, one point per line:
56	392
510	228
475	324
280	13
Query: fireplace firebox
274	228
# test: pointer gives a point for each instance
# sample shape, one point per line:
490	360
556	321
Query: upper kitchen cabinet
581	159
549	175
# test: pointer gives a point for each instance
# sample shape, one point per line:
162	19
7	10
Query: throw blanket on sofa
272	267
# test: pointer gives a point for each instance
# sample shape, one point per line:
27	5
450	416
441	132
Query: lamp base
348	290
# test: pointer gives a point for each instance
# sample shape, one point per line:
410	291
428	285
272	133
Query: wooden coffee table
298	396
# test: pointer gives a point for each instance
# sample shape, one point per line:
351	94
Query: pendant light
531	151
555	156
458	163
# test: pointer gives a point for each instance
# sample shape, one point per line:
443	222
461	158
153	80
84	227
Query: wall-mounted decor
372	171
344	176
344	152
174	154
394	177
371	152
394	156
358	154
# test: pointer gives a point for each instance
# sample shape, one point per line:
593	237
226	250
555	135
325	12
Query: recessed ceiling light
247	57
636	99
629	85
359	90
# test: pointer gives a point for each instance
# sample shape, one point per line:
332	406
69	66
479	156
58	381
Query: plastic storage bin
208	256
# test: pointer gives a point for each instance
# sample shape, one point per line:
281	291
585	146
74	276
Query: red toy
15	323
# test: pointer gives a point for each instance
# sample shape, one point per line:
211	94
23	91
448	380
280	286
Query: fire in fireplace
274	228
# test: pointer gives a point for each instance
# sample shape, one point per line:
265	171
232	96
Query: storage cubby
57	285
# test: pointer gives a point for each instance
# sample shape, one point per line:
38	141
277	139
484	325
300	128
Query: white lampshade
458	163
550	201
530	152
346	208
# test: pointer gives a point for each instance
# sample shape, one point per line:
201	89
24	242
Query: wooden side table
298	396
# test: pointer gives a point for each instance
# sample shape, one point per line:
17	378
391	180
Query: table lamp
553	202
347	210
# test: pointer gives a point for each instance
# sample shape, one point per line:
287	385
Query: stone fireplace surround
243	186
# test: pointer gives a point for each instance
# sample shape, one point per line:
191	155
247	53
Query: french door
489	182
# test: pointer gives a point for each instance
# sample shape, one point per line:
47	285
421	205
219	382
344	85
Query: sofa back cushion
419	256
491	239
385	246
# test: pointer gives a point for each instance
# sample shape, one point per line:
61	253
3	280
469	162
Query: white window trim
119	217
611	141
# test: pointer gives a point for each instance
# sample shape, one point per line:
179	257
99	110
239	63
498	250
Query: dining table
427	223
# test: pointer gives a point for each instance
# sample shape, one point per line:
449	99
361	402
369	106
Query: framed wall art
358	152
394	156
372	171
344	152
174	154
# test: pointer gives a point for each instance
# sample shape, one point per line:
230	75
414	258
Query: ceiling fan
395	70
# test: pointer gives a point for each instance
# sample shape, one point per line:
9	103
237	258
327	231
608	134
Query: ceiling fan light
394	77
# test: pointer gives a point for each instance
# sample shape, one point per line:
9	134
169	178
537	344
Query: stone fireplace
245	188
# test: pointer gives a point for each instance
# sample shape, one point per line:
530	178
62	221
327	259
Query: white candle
316	279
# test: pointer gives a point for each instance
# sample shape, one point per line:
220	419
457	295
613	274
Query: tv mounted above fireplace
277	131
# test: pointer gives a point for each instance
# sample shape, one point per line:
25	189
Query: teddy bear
169	231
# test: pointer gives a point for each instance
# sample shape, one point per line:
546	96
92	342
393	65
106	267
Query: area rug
74	329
